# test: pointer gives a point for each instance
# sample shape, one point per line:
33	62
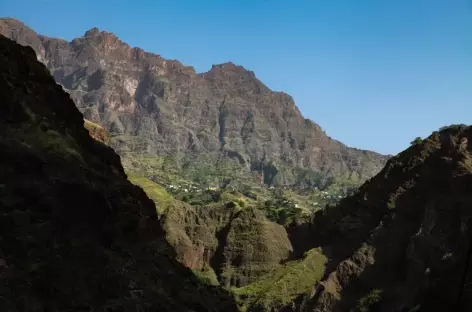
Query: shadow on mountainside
75	234
407	233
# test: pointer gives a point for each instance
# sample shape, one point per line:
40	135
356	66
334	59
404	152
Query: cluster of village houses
197	189
189	188
326	195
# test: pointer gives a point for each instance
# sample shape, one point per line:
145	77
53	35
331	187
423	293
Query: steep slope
238	244
404	241
226	111
75	234
97	132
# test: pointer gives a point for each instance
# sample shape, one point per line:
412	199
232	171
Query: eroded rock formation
169	107
75	234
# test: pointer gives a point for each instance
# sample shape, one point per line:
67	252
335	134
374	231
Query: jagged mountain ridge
403	242
225	111
75	234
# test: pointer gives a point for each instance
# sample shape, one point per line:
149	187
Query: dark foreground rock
75	234
404	241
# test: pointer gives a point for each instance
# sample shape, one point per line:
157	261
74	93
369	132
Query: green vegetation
180	168
369	301
453	127
207	276
201	201
202	171
284	210
253	247
416	141
281	286
97	132
43	138
71	213
391	204
415	308
186	179
155	192
163	169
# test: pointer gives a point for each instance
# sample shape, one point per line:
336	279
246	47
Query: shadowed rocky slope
226	111
75	234
404	241
240	245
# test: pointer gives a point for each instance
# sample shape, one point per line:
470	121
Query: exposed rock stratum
225	112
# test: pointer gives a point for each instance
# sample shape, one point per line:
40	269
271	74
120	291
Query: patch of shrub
281	286
207	276
370	301
452	127
416	141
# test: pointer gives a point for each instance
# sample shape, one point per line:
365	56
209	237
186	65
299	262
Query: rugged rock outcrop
97	132
404	241
239	245
169	107
75	234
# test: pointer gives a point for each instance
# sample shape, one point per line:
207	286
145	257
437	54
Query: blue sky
373	73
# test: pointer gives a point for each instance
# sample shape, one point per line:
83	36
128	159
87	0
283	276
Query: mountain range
168	108
77	233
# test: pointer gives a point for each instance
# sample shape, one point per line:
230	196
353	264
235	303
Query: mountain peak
96	32
12	21
231	67
236	75
260	124
92	32
12	24
228	65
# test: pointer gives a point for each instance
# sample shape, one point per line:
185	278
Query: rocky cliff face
404	241
75	234
169	107
239	245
